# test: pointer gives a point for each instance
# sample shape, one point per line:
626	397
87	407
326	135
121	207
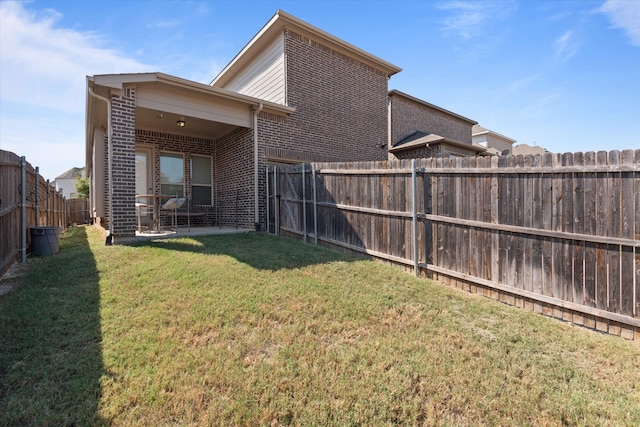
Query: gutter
255	167
109	160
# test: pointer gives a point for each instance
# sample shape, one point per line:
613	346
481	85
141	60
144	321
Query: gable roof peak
282	20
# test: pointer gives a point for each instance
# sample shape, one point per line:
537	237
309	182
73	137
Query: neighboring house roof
419	139
420	101
274	28
525	149
72	173
477	130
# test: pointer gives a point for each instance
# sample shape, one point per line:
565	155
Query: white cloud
565	46
45	65
470	18
43	85
625	15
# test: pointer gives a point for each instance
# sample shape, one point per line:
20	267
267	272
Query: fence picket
627	216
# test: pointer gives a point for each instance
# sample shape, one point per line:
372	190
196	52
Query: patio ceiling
162	121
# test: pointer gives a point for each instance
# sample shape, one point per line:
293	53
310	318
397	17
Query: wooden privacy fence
21	186
557	233
78	211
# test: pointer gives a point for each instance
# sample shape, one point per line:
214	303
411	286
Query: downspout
109	155
255	167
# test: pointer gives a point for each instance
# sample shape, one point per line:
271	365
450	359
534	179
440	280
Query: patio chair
172	205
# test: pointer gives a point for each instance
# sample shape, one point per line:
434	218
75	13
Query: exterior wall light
181	123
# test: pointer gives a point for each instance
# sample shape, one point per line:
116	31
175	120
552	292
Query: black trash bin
45	241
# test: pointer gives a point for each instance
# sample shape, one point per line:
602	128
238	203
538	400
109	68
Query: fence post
414	198
47	205
304	203
268	207
276	200
315	205
37	210
23	209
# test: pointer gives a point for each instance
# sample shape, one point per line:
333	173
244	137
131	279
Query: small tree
82	187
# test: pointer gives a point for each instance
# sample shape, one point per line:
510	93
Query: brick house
419	129
293	94
494	142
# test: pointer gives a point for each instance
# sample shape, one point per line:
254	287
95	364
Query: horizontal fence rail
558	233
26	200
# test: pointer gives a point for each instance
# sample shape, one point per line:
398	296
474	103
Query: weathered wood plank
566	277
613	229
557	247
535	259
602	209
495	219
578	284
636	191
547	224
589	227
627	223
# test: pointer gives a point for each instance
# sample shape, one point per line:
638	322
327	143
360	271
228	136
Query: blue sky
564	75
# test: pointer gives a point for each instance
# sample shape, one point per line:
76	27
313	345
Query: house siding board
264	78
409	116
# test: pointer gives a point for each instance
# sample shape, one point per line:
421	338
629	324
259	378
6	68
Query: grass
252	329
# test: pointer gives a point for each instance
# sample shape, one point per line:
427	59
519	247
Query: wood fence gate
558	234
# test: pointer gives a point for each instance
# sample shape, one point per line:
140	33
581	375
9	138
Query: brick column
123	163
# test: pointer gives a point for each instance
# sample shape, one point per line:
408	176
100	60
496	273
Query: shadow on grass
50	340
259	250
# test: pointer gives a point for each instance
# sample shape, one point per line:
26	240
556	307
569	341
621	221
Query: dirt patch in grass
13	276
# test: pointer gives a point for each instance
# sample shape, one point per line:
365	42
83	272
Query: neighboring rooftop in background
433	106
72	173
494	142
526	149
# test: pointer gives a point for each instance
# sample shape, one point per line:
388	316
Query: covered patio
152	136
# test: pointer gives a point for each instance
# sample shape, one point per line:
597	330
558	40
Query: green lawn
251	329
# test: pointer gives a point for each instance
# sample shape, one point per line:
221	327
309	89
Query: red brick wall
234	179
123	175
232	164
409	116
341	104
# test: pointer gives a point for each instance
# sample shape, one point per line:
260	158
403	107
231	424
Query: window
171	174
201	180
